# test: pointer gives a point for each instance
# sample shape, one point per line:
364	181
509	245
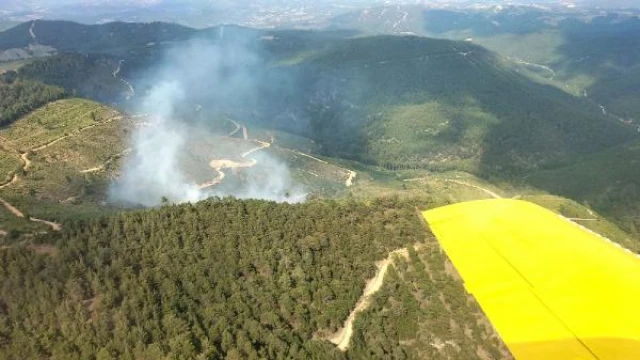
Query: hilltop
586	52
374	129
411	102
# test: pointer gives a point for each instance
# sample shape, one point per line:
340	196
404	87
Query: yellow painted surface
552	290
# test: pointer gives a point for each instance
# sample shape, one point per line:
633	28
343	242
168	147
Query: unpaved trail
3	233
306	155
539	66
12	209
342	338
487	191
109	160
10	182
220	164
32	33
213	182
42	147
15	211
263	145
352	176
26	162
132	92
25	155
234	131
54	226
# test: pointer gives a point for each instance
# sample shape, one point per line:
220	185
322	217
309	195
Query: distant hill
405	102
110	37
587	52
90	76
399	102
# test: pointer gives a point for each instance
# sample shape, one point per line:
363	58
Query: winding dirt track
115	75
15	211
234	131
109	160
342	338
487	191
351	175
10	182
219	164
27	163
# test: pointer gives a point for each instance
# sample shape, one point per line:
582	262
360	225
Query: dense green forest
409	102
88	76
18	97
216	279
110	37
419	294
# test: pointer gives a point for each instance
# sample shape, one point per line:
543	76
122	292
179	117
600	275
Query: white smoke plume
216	74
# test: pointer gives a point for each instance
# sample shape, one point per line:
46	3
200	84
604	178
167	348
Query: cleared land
551	289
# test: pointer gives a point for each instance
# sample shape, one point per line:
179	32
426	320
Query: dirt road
11	182
342	338
487	191
213	182
27	163
115	75
234	131
352	176
15	211
32	33
219	164
12	209
109	160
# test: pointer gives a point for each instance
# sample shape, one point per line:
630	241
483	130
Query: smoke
224	77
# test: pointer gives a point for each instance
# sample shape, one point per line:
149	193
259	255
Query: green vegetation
409	102
52	122
424	292
607	181
88	76
221	278
67	36
19	97
423	122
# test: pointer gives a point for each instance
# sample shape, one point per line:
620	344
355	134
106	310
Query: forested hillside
608	181
218	279
70	36
89	76
19	97
410	102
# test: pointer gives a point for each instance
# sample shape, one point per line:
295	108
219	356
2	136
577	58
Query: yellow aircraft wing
552	289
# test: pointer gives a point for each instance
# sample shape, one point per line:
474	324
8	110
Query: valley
240	193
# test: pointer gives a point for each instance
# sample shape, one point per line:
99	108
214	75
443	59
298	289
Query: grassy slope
443	188
608	181
54	176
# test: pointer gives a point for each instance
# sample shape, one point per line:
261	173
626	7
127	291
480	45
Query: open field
552	289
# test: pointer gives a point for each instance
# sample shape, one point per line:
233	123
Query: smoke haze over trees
221	76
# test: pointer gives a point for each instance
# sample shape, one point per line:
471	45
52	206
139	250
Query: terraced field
552	289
